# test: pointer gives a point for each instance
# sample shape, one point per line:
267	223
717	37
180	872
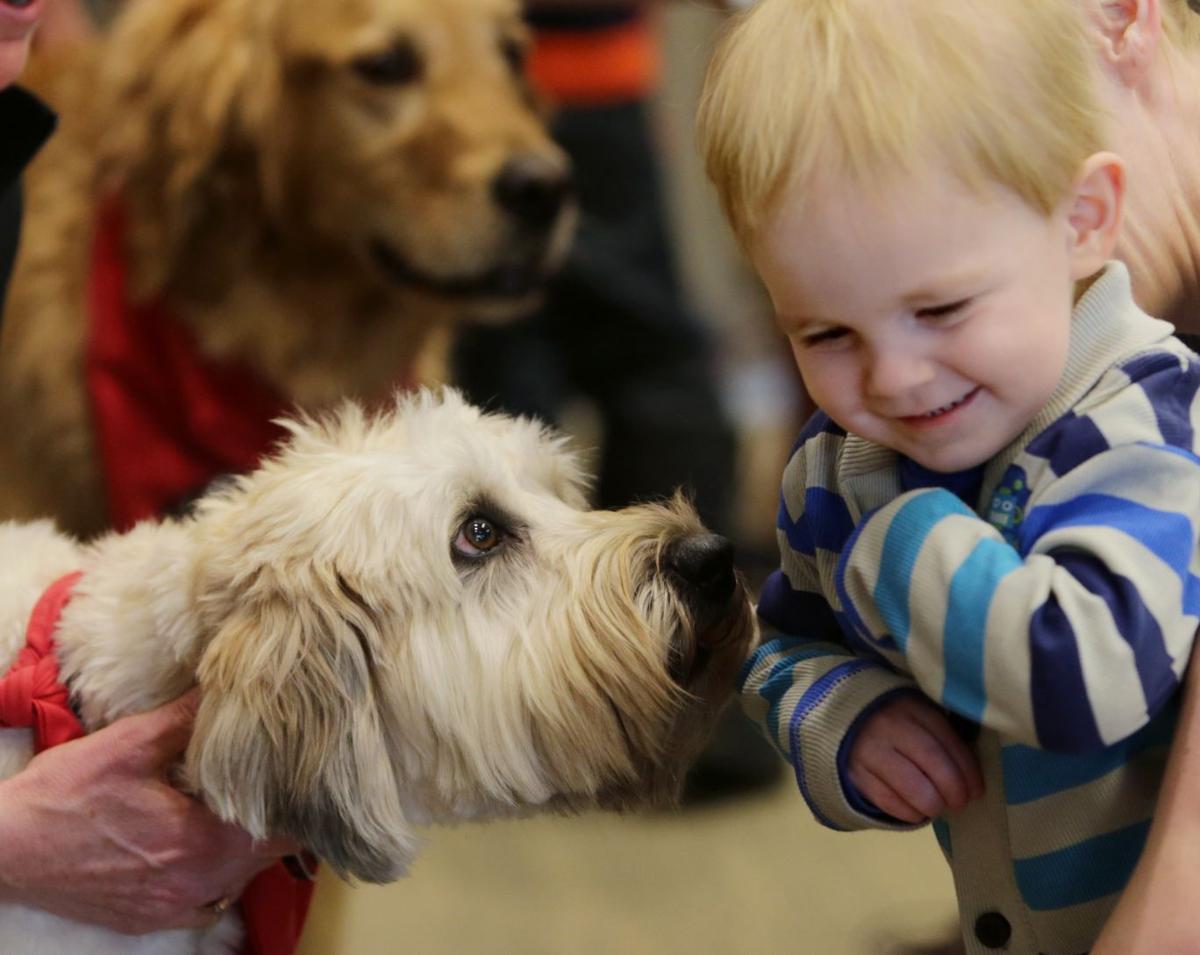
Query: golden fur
365	669
302	203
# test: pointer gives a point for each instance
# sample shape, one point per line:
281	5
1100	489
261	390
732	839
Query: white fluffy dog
395	621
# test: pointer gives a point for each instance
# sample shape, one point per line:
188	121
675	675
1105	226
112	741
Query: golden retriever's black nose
532	188
704	564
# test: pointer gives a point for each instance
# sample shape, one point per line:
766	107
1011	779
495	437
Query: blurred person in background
1149	57
616	329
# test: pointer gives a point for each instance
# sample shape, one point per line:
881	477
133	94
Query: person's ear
1093	213
1129	34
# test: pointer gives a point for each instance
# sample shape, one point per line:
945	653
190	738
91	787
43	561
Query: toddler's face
924	317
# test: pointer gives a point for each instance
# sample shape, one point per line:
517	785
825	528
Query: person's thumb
162	734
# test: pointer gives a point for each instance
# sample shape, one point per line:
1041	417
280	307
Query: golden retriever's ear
188	92
289	739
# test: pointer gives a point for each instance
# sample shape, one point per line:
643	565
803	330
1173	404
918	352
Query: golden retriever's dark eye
514	52
397	66
477	536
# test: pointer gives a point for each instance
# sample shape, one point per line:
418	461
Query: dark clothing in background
25	124
615	328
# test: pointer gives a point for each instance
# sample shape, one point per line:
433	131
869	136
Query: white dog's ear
289	739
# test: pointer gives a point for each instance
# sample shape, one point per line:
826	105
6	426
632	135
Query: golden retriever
297	190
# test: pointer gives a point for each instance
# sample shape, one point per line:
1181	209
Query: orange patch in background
595	67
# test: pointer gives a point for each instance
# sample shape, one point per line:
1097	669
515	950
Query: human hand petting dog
909	762
94	831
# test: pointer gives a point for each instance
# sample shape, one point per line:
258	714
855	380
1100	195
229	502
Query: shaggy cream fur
398	620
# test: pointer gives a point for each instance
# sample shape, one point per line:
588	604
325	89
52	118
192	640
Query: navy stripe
1068	443
1133	620
1062	715
1152	363
828	518
1167	534
1170	386
814	697
819	423
1174	411
799	537
1082	872
795	611
1031	774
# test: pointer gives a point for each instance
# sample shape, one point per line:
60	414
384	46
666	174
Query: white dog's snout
703	564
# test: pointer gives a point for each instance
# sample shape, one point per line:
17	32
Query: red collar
167	418
31	693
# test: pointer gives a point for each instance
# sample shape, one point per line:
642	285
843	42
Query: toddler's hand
908	760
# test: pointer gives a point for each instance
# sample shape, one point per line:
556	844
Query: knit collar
1106	327
31	692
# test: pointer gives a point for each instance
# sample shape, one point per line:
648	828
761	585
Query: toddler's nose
893	374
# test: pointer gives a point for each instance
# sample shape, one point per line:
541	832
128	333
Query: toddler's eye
826	336
478	536
948	310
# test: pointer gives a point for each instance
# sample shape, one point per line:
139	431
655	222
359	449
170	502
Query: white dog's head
414	618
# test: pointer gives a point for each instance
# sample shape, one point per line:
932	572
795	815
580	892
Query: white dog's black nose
532	188
704	563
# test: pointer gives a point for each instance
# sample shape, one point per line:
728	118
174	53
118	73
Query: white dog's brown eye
396	66
477	536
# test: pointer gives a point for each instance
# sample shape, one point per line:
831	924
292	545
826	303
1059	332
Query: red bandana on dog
31	693
167	418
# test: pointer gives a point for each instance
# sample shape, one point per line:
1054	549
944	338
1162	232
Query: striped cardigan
1055	617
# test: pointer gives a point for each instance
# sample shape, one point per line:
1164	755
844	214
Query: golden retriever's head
396	139
414	619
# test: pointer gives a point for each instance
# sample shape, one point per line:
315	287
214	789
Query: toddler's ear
1094	213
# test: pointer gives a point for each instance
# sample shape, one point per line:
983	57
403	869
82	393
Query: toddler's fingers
929	754
904	777
955	749
884	798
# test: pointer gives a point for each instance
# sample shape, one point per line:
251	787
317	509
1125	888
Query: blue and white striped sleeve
807	690
1071	640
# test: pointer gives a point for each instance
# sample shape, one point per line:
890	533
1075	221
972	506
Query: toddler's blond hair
798	90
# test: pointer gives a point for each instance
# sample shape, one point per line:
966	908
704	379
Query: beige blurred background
755	875
751	874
